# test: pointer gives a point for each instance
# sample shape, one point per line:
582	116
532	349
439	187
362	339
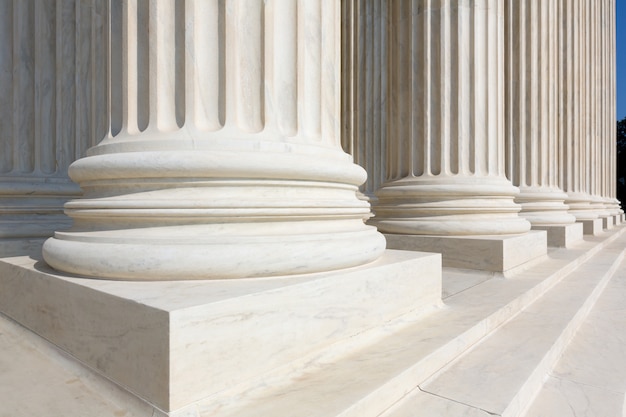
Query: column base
607	222
487	253
174	343
562	236
591	226
617	219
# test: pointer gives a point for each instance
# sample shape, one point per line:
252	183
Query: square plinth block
607	222
617	219
591	227
487	253
174	343
562	236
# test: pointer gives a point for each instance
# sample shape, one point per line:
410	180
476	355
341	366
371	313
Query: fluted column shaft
597	164
364	87
53	107
532	110
609	101
574	103
445	161
224	158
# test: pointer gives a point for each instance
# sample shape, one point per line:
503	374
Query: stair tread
407	354
590	377
492	374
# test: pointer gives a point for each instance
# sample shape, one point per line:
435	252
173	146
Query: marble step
504	372
367	381
38	379
589	380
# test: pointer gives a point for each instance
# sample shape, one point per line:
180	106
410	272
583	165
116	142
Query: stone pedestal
608	222
591	226
175	343
563	236
487	253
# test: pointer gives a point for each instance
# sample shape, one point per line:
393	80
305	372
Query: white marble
445	154
607	222
531	122
364	88
224	157
175	343
54	106
527	346
38	380
487	253
590	378
563	236
365	375
566	398
592	226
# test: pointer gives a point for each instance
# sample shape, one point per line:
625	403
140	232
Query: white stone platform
175	343
607	222
487	253
510	327
591	227
562	236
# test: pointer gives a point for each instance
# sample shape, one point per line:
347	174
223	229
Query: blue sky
620	27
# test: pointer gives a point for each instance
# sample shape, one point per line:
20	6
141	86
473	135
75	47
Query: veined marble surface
590	378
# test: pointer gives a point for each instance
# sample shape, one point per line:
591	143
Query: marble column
576	144
609	99
53	107
597	162
224	159
532	112
445	161
364	88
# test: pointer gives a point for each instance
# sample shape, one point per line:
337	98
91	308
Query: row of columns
224	123
500	115
53	107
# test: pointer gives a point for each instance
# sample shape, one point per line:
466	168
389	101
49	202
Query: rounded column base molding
580	206
193	252
449	207
613	206
215	213
544	206
599	206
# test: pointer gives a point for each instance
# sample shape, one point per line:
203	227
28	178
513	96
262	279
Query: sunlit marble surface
590	378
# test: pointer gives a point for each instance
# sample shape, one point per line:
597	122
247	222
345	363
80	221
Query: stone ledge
487	253
591	227
562	236
174	343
